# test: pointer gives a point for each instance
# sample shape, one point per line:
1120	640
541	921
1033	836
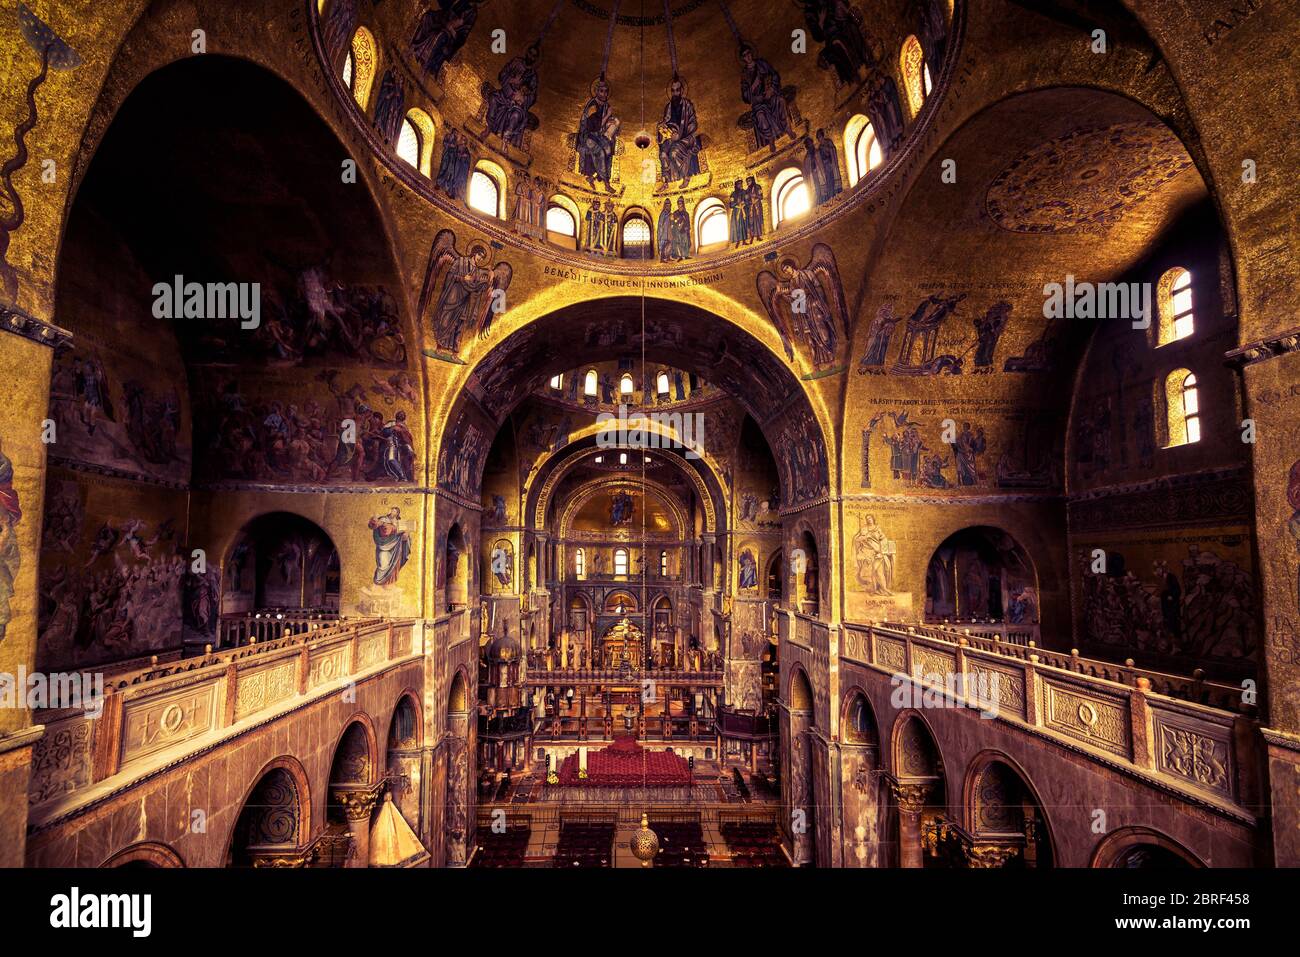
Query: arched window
1183	408
625	385
911	61
862	148
408	143
486	187
560	220
661	383
637	237
663	564
590	382
415	142
359	67
711	227
1174	301
557	382
580	563
620	561
790	195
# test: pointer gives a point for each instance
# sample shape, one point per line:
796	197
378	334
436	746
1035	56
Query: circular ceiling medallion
1086	179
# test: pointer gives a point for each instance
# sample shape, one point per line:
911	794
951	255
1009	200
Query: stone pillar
358	804
26	355
911	798
1270	369
710	562
543	561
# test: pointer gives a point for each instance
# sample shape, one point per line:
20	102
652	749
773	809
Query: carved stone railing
159	714
1117	718
270	624
994	630
451	629
1227	697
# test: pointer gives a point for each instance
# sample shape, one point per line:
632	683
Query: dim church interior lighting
626	433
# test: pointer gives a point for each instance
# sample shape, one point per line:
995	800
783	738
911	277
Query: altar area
624	764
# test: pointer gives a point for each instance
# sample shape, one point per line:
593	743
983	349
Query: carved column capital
911	796
359	801
981	855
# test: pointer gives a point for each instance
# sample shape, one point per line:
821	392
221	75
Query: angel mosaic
807	304
470	291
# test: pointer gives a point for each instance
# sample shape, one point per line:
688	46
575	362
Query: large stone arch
983	815
533	329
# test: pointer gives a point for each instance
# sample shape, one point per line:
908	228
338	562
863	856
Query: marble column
910	798
358	804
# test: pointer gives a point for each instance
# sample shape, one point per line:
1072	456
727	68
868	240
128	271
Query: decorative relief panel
1008	686
856	646
60	761
1093	719
1191	753
371	650
891	654
152	724
326	665
932	662
263	688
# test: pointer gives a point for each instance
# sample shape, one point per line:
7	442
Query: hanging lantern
645	843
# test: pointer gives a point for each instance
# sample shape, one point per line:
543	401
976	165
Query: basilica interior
649	433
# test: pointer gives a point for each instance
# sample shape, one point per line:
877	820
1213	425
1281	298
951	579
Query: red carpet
625	764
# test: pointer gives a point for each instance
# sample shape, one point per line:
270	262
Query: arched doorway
580	623
402	758
1004	818
457	565
1138	848
353	796
458	749
272	824
920	796
797	790
775	577
280	576
981	574
860	782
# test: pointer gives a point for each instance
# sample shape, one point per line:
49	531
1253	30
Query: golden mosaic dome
573	115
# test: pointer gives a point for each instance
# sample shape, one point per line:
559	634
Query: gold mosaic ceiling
576	44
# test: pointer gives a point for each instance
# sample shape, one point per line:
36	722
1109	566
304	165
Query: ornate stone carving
1092	719
327	665
1196	756
261	689
358	803
60	761
984	855
156	723
891	654
911	796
